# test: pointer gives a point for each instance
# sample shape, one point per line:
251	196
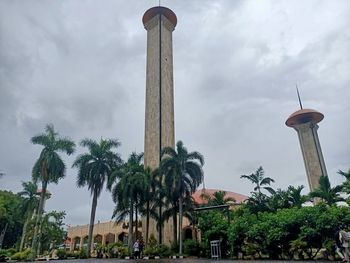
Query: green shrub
72	254
150	251
123	252
191	247
174	247
164	251
22	256
10	251
83	253
61	253
3	255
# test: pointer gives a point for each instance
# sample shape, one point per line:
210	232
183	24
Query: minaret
159	22
304	121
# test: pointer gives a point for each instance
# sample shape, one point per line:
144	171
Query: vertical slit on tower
160	87
160	114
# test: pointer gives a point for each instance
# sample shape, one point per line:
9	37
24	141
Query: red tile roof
197	196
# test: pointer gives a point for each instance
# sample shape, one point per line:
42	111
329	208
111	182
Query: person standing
137	249
345	239
141	247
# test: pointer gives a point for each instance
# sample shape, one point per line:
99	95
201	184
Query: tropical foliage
94	171
128	192
183	174
49	168
272	223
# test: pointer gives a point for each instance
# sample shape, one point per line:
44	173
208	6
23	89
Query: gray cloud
81	66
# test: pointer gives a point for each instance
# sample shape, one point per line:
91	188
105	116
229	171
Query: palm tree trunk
2	234
160	225
24	232
175	226
147	222
136	226
180	224
39	215
131	215
92	222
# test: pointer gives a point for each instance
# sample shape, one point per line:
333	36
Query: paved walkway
188	260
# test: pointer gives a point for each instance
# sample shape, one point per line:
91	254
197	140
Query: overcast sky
81	65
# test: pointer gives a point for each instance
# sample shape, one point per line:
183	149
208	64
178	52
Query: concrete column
304	121
159	22
312	154
71	247
81	242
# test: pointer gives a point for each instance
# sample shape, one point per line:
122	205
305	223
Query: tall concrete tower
159	22
304	121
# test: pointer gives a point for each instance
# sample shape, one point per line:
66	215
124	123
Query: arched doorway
123	237
97	240
85	241
109	238
188	233
76	243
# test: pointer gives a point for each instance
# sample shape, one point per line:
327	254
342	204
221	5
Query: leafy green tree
94	170
49	167
280	234
326	193
30	203
183	173
53	232
214	226
11	218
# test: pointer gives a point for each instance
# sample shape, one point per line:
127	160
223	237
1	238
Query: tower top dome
152	12
304	116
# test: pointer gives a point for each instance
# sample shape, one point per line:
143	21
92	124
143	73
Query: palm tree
127	193
220	198
259	180
278	200
183	173
296	199
49	168
172	211
30	202
95	168
150	194
326	193
346	184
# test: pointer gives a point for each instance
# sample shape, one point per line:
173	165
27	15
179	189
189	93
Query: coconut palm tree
172	211
346	184
260	181
150	194
329	195
95	168
49	168
296	199
183	173
127	193
30	203
220	198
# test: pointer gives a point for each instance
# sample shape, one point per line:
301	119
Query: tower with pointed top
305	121
159	22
